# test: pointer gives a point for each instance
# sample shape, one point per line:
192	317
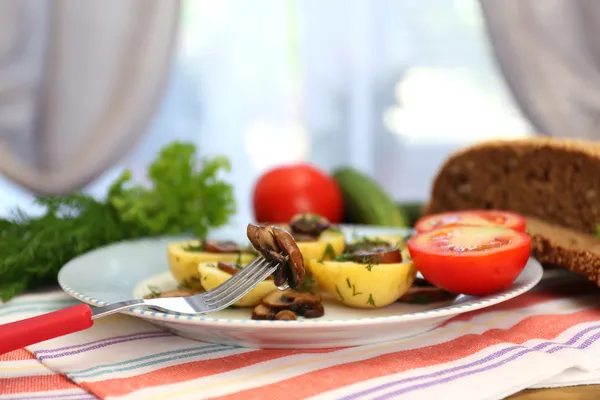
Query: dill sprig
185	197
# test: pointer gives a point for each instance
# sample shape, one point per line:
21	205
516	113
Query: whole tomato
285	191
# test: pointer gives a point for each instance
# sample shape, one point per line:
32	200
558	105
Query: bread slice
554	183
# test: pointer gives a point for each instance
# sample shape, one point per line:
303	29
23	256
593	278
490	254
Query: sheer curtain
549	53
78	83
387	86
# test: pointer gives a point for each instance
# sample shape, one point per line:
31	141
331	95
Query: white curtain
390	87
549	53
79	83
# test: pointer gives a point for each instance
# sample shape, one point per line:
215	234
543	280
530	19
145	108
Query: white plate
122	271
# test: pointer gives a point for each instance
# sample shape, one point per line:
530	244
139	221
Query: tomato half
470	260
288	190
500	218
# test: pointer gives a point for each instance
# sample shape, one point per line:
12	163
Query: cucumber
365	201
413	211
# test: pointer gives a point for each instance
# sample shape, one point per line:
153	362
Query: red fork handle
16	335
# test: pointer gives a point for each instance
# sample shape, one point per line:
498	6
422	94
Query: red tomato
286	191
470	260
500	218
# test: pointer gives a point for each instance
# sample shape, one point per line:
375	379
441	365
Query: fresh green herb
185	197
365	243
238	261
354	292
329	252
337	289
333	230
194	281
307	285
195	248
345	257
370	264
184	285
348	282
155	290
371	301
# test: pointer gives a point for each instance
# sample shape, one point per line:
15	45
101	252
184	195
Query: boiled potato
315	250
184	263
211	277
364	286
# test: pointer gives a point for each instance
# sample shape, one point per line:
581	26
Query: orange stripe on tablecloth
528	299
188	371
195	370
313	383
28	384
17	355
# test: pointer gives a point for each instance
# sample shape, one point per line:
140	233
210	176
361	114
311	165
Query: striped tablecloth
546	337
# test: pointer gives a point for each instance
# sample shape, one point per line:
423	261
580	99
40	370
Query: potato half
184	263
364	286
315	250
211	277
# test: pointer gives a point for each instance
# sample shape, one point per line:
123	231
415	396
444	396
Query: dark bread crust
583	262
555	182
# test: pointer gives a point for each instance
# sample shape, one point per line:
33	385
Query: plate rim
533	266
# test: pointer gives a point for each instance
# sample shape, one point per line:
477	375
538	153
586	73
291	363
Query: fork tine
219	292
234	295
248	270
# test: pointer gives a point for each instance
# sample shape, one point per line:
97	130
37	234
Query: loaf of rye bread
555	183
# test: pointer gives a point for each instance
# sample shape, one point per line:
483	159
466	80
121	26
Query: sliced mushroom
221	246
302	237
232	269
280	276
262	312
228	267
277	244
288	303
292	300
309	224
286	315
263	241
285	226
295	261
426	295
261	237
316	312
378	255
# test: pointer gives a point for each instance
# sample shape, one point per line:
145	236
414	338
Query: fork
16	335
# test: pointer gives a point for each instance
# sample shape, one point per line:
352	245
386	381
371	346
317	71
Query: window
391	87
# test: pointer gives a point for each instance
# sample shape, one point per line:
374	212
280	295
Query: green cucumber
413	211
366	202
